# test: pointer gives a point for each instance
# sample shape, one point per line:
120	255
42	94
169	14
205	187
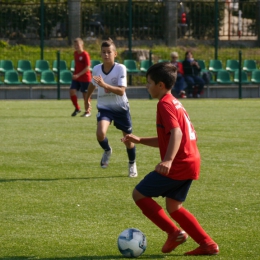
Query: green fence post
130	35
58	75
216	29
42	29
240	75
150	59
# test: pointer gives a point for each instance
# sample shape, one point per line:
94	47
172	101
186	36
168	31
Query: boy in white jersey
111	80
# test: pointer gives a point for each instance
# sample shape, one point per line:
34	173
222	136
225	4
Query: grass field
56	202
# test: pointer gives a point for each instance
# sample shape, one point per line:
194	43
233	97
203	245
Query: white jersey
115	77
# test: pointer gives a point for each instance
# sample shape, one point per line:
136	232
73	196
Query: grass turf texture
58	203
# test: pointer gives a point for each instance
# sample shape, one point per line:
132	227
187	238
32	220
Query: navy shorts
155	185
82	86
122	120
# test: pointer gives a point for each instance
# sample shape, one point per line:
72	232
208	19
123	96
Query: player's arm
149	141
81	72
118	90
172	149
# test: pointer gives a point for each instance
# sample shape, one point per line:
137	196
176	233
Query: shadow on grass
111	257
62	179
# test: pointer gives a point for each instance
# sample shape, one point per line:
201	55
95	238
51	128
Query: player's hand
163	167
75	76
131	138
99	80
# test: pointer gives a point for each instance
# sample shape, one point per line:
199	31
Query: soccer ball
131	242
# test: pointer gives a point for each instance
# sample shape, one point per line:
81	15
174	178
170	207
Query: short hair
108	43
79	40
164	72
187	52
174	54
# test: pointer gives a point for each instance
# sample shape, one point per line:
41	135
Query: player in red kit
179	166
81	77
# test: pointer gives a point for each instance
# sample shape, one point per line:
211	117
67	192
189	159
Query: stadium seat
131	66
42	65
145	65
249	65
12	78
215	66
244	78
162	60
30	78
223	77
6	65
232	66
48	77
94	63
65	77
24	65
72	65
63	66
202	65
255	78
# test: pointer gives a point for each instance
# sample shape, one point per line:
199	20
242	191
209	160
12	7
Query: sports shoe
132	170
174	240
105	158
206	249
86	114
182	94
198	95
76	111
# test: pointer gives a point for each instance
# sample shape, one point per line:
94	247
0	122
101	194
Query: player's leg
200	83
102	127
190	83
155	185
131	153
84	90
73	97
191	225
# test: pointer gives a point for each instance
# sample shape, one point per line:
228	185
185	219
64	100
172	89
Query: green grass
57	203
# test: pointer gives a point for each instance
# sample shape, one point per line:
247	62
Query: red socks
152	210
74	100
191	225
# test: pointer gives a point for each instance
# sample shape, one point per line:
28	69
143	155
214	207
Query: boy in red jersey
179	166
81	77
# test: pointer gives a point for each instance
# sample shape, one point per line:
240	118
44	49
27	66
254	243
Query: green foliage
58	203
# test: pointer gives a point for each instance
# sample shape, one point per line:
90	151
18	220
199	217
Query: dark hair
186	53
164	72
107	43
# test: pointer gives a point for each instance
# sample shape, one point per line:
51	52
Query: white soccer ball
132	242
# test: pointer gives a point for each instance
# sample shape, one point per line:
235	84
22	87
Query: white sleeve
122	76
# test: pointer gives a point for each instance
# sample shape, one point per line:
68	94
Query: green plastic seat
65	77
41	65
249	65
202	66
30	78
6	65
63	65
24	65
255	78
244	78
131	66
48	77
215	66
12	78
162	60
145	65
223	77
72	65
94	63
232	66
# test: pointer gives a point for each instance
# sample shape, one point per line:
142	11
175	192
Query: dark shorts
155	185
82	86
122	120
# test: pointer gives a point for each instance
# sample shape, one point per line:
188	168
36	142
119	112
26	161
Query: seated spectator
192	75
180	84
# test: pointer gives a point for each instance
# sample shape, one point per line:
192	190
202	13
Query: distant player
179	166
81	77
111	81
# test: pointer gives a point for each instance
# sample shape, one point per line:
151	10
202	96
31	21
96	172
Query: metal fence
194	20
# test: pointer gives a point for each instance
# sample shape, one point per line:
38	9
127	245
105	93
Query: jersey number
190	127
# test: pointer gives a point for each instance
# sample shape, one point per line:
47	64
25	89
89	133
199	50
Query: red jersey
82	60
171	114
